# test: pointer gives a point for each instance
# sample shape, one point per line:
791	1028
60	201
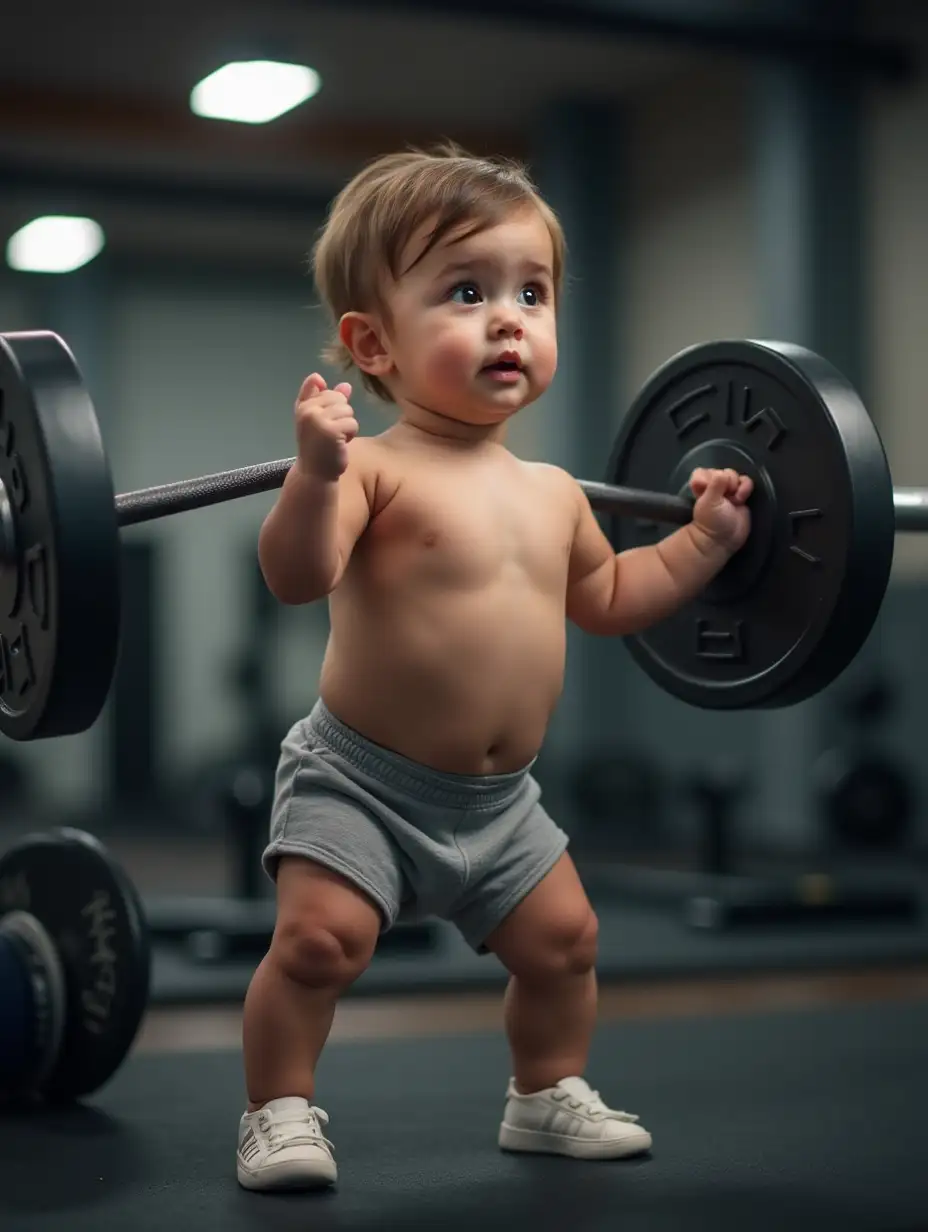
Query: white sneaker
281	1146
569	1119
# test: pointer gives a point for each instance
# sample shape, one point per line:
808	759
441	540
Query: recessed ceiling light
253	91
54	244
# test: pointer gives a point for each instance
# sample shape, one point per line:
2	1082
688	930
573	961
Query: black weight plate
47	1004
792	610
59	586
68	881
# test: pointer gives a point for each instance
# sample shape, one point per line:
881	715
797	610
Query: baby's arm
308	537
619	595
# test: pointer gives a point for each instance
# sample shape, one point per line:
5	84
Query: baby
450	567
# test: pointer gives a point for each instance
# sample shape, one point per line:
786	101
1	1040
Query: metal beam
84	119
72	184
741	30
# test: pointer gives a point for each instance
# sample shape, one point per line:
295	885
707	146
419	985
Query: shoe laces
286	1129
595	1108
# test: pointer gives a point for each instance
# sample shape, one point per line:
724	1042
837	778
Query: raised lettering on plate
18	486
35	563
6	429
17	673
796	517
739	409
717	642
676	412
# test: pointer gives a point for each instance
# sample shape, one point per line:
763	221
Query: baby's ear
363	336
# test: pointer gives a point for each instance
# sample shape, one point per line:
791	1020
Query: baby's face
473	331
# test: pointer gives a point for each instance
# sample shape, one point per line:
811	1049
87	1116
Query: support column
578	167
810	240
809	215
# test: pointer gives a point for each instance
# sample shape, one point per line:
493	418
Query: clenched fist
720	505
325	424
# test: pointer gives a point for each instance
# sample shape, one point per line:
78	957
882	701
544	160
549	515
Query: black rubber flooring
801	1120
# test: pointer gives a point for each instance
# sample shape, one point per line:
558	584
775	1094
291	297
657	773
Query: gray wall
897	192
691	262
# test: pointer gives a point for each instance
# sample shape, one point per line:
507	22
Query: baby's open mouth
504	371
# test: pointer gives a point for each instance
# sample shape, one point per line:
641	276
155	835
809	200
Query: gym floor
776	1098
775	1103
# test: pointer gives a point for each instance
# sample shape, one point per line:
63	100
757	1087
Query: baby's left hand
720	505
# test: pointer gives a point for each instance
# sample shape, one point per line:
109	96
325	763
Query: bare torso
448	627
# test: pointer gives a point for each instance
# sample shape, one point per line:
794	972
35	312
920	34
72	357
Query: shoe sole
535	1141
291	1176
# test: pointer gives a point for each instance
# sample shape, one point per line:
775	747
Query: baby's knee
327	929
564	946
321	953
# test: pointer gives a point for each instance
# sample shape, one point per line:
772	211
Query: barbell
777	625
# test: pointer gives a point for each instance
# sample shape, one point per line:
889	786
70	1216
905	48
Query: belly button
430	539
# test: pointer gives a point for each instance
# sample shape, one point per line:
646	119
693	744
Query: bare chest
471	530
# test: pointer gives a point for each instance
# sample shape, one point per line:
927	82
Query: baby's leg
326	933
548	945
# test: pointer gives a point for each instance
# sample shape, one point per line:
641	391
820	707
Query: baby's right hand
325	424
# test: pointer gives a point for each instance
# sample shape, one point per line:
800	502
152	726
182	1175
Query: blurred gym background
723	168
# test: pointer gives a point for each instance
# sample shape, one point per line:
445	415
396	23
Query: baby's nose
508	326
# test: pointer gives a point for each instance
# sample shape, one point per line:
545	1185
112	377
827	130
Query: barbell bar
164	500
911	507
780	622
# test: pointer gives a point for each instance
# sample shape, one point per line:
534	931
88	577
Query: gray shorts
420	843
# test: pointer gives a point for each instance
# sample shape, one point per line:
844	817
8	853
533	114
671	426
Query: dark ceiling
94	114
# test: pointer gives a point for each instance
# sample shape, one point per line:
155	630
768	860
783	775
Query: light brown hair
375	215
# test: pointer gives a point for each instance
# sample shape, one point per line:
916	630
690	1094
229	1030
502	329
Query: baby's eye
466	293
531	296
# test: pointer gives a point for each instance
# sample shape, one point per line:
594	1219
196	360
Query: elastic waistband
463	791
